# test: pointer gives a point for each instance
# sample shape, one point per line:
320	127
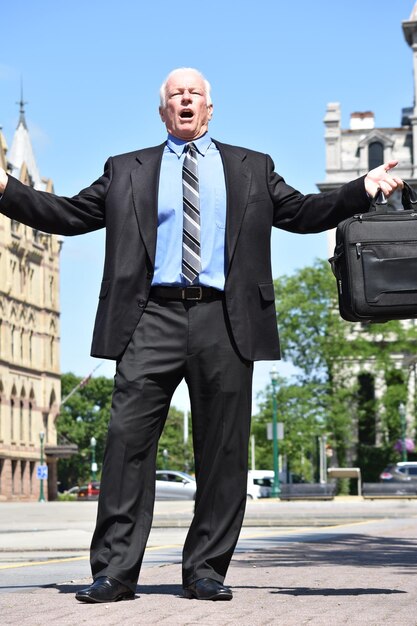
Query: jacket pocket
105	284
267	291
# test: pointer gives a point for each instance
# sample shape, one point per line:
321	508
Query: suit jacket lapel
145	186
238	178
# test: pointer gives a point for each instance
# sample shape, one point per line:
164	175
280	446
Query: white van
259	484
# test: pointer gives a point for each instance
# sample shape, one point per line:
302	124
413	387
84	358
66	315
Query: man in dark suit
187	293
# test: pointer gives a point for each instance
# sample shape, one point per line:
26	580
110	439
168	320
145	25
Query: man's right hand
3	180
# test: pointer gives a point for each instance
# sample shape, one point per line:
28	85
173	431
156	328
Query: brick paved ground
364	576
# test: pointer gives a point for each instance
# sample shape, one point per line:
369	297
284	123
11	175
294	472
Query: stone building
350	153
29	338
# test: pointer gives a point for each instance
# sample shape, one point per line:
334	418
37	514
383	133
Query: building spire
22	119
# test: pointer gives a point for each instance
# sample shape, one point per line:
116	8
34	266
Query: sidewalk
360	574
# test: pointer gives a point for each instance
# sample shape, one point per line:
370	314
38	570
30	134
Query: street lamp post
403	432
41	491
276	490
93	443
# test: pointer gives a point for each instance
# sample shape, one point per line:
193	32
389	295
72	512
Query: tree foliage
86	414
324	396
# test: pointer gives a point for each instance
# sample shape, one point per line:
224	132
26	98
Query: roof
22	163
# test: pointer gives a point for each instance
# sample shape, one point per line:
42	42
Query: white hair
162	91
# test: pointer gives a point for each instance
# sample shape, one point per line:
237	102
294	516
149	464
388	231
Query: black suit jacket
124	201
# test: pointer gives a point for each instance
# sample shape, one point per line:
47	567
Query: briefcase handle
409	200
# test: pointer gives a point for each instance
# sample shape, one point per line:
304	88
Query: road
343	562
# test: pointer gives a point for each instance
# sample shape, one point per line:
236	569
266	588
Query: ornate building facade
29	338
351	153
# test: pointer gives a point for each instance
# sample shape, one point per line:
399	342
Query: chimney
362	120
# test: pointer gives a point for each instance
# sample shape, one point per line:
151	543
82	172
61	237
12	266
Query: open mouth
186	114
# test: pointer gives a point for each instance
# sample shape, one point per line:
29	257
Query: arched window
21	422
22	340
375	154
12	338
12	419
30	428
30	346
52	352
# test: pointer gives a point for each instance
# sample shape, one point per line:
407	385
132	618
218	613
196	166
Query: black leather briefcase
375	262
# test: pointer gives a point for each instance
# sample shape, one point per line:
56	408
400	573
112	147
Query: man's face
186	113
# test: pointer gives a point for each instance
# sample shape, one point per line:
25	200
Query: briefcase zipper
359	245
375	215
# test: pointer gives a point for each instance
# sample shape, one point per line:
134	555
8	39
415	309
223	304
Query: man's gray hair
162	91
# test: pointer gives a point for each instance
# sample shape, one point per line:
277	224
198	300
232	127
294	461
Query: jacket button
141	303
149	275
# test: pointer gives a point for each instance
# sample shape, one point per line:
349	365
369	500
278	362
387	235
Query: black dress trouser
175	340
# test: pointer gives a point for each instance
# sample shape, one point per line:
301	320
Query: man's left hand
380	178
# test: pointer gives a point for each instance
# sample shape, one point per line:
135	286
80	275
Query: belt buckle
196	298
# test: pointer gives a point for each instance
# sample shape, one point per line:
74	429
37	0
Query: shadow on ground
353	550
171	590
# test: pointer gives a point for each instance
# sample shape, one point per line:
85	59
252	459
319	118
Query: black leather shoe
208	589
105	589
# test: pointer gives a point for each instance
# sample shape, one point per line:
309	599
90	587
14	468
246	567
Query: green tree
86	414
330	355
179	455
299	415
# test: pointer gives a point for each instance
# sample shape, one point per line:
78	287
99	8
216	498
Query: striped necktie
191	255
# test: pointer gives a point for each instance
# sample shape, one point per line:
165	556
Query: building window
22	476
30	434
14	226
31	475
30	347
22	339
31	272
1	474
12	419
375	154
45	425
12	346
14	469
21	422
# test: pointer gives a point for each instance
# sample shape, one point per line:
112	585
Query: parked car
173	485
89	491
259	484
73	491
404	471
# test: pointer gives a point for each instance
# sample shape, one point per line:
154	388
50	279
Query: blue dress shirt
168	258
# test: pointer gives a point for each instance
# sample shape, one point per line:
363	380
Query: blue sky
92	70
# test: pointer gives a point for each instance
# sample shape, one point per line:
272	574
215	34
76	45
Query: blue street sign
42	472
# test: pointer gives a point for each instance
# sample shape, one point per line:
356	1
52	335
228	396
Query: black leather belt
196	294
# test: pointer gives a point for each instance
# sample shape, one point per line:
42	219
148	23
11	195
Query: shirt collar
177	145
